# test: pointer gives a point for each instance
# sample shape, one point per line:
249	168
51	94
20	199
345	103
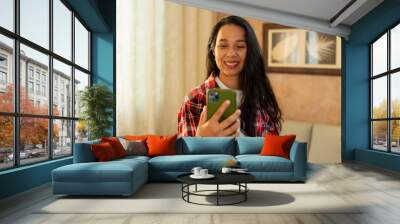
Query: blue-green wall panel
24	178
102	59
375	22
89	11
103	63
356	99
376	158
356	86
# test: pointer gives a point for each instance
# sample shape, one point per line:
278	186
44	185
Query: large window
44	64
385	91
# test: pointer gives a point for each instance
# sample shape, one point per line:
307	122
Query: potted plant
96	102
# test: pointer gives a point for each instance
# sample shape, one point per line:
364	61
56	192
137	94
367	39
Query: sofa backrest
83	152
249	145
206	145
302	130
325	145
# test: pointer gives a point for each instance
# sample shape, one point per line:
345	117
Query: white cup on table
196	171
203	172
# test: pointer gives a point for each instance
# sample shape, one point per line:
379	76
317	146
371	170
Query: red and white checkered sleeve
188	118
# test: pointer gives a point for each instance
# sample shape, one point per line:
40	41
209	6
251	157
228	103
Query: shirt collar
211	82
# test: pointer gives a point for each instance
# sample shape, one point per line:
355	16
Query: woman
234	61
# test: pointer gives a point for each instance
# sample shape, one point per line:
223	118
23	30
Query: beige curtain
161	51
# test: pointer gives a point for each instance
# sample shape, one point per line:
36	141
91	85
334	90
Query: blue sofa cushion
130	158
206	145
257	163
249	145
111	171
185	163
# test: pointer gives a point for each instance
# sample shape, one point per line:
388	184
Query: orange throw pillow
275	145
136	137
103	152
116	145
161	145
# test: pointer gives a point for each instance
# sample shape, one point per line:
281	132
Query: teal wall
24	178
103	63
102	59
355	86
99	15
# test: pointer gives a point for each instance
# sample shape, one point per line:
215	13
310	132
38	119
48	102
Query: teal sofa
125	176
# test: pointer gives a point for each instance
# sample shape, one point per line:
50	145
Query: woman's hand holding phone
214	128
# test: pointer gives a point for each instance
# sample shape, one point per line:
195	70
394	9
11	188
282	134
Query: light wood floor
353	182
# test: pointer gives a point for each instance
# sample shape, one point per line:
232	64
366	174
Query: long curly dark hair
256	88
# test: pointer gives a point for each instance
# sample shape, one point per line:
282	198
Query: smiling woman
234	61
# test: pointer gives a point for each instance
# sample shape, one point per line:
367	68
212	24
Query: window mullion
16	84
371	142
73	82
389	106
50	81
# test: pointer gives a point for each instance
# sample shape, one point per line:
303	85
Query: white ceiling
321	9
307	14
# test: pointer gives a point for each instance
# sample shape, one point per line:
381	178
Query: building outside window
3	60
38	89
30	87
30	72
43	90
3	78
44	77
37	75
3	72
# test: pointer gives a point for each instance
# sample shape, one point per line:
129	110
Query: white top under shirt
239	95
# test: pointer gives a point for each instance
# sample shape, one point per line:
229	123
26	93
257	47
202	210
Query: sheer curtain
161	51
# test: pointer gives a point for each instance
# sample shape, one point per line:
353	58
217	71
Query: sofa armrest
83	152
298	155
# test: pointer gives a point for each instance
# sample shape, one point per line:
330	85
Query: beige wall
311	98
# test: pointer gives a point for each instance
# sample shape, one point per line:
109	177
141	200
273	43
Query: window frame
388	74
16	114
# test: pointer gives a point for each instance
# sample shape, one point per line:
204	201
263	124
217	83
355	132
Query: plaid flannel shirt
189	113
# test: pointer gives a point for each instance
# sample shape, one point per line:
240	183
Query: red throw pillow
103	152
275	145
116	145
161	145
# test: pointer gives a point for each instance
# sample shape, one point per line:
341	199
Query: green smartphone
216	97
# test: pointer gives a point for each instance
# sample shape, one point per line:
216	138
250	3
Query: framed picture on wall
289	50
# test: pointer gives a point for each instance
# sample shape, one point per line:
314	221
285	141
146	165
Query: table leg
188	189
182	189
196	188
245	193
217	194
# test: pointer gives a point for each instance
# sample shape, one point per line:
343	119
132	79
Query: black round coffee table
238	179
